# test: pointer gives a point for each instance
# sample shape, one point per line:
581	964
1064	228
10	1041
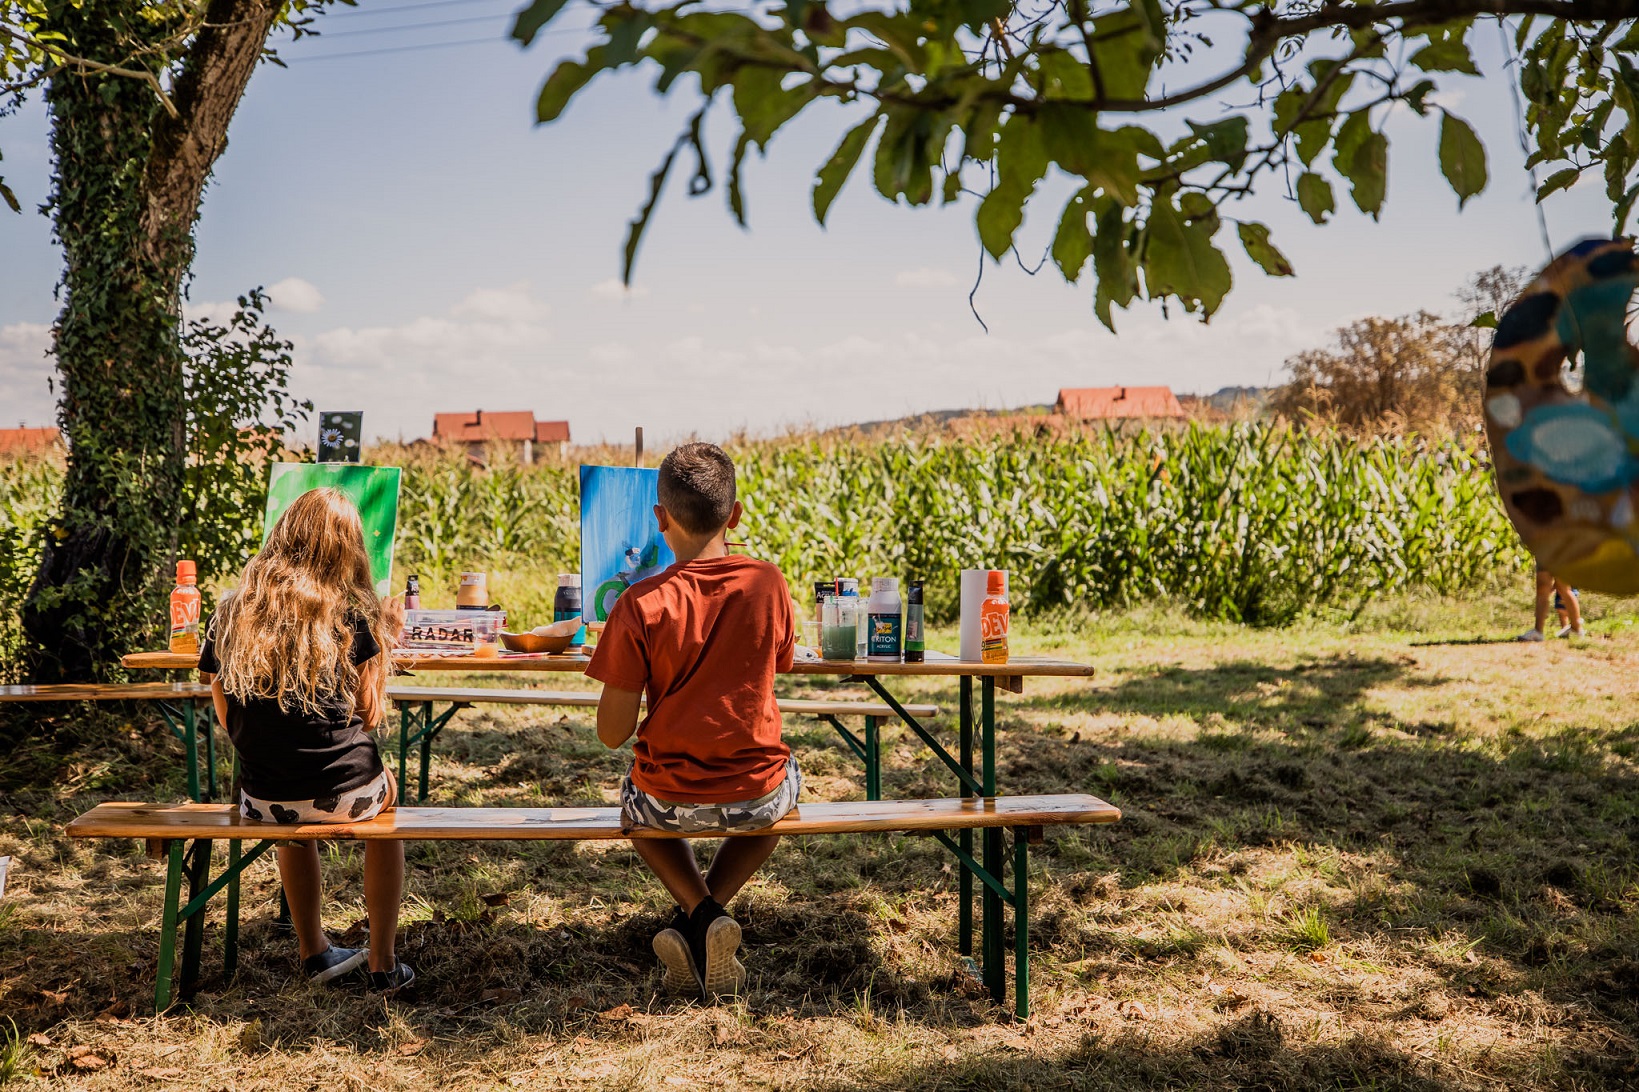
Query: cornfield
1249	523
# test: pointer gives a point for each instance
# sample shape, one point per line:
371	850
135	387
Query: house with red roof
479	430
1117	403
29	441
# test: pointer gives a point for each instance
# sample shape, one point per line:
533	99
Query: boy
705	638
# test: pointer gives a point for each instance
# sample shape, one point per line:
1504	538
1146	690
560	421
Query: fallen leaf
576	1001
503	898
163	1074
89	1062
1317	957
506	995
79	1051
40	1039
118	1011
1134	1009
54	998
412	1047
619	1012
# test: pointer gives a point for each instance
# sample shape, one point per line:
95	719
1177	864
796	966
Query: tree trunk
128	181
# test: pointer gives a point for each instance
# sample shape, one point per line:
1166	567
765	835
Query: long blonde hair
287	632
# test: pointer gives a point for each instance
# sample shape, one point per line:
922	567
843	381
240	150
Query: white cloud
25	370
926	277
514	303
295	295
612	289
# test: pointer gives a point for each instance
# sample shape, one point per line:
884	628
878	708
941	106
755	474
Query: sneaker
333	962
714	938
1571	631
680	976
390	982
1530	635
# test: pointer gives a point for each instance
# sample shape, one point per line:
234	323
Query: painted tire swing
1566	453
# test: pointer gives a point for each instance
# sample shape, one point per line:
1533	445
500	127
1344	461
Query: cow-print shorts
365	802
639	809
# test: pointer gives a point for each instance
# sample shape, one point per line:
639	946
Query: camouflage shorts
640	809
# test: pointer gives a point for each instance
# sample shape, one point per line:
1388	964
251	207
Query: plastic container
486	634
915	636
838	627
566	604
185	610
412	593
473	594
885	632
994	620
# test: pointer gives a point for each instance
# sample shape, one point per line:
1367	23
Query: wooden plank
936	665
589	698
105	692
131	820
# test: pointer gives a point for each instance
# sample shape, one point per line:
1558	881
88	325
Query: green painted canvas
374	489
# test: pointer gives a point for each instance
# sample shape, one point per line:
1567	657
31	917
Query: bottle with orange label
993	620
185	610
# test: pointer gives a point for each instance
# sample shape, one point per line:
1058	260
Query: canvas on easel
620	541
372	489
341	436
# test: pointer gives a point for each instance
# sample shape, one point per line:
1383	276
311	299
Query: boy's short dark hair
697	487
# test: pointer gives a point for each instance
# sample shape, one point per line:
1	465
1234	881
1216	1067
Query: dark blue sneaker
333	963
390	982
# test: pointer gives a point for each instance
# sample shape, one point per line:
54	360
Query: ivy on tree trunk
130	169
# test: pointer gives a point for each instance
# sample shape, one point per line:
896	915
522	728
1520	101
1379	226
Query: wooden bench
418	723
165	827
178	704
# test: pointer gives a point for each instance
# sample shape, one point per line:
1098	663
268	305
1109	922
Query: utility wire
322	34
420	47
396	10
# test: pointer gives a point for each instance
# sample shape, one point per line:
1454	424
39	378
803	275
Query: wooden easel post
637	460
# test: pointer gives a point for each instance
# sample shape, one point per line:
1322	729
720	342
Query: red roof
478	427
1093	403
551	432
16	441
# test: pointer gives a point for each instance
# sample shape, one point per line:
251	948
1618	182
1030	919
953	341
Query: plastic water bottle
185	610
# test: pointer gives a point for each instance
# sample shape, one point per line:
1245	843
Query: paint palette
1562	416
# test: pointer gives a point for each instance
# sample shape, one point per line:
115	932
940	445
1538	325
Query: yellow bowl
535	642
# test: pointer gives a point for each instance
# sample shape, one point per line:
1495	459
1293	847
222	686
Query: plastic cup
486	634
810	637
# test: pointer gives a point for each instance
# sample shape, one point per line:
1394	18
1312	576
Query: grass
1377	855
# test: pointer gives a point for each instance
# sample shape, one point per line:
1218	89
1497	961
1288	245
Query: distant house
28	441
1116	403
478	430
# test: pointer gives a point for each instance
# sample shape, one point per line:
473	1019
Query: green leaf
1226	139
531	19
1125	48
1021	154
1368	174
1315	196
999	216
1180	260
841	164
1450	55
1462	158
1350	136
8	197
1072	138
1557	181
736	195
1255	238
1485	320
1112	261
763	104
1073	244
978	13
567	79
1312	138
1065	76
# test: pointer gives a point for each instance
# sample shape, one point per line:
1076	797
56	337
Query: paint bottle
915	640
993	620
885	631
412	593
473	593
566	604
823	590
185	610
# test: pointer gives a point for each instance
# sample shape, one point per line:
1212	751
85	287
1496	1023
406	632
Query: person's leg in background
1545	592
1565	596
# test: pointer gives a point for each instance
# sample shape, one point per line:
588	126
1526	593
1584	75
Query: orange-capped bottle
185	610
993	620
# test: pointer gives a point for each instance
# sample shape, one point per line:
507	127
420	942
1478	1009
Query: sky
428	248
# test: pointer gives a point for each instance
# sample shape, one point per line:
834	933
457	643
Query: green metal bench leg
167	928
964	838
190	741
873	760
230	931
426	749
404	717
197	870
991	940
1021	922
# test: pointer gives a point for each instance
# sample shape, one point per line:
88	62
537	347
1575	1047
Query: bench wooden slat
105	692
589	699
130	820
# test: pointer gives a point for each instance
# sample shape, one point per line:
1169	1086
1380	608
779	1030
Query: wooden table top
937	664
153	691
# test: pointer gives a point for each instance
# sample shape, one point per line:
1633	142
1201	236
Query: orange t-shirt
705	639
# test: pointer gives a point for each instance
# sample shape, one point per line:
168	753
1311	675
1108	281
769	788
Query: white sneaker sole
346	966
677	967
724	974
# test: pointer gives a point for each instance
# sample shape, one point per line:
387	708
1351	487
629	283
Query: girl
299	655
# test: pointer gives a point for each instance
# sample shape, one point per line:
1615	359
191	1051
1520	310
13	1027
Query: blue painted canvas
620	541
